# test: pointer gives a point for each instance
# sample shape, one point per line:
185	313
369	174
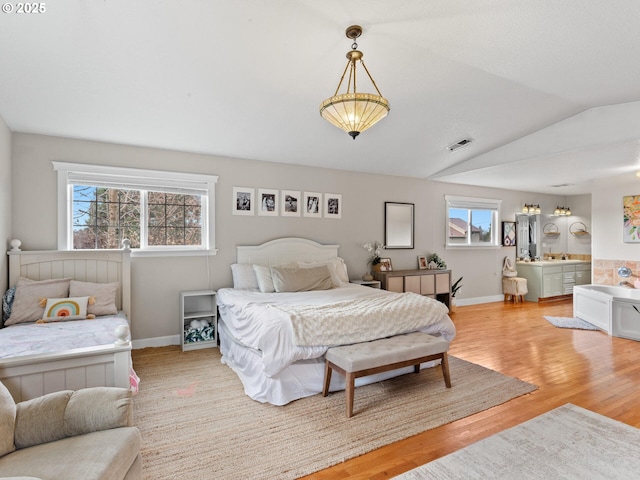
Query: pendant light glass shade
352	111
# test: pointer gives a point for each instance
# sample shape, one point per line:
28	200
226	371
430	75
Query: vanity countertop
546	263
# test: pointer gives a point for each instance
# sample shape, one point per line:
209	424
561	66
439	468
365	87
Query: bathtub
616	310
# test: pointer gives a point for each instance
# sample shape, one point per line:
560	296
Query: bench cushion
365	355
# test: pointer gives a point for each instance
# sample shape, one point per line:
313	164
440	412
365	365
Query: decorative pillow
26	307
63	309
263	276
98	408
7	421
301	279
41	419
244	277
7	303
337	269
103	293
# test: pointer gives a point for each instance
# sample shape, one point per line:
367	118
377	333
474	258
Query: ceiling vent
462	143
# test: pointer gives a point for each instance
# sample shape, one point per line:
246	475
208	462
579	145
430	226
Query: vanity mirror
398	225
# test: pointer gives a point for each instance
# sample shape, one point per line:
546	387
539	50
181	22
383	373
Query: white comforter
255	321
38	338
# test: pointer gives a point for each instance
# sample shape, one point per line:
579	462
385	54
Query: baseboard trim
156	341
479	300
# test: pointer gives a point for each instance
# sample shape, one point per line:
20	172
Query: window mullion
144	219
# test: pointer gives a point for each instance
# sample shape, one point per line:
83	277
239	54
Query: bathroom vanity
553	279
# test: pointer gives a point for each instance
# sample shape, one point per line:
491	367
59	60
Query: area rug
197	423
570	322
568	442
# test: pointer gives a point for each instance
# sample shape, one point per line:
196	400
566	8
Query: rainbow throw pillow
61	309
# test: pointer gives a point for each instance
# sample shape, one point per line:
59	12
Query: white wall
607	211
5	198
156	282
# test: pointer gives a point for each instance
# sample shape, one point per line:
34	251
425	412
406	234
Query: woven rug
570	322
197	423
569	443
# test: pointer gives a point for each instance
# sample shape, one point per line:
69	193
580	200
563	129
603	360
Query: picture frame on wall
267	204
312	204
332	205
290	203
631	219
509	234
243	201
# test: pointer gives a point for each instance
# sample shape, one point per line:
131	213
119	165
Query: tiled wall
605	272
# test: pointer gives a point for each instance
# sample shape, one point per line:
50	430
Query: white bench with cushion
368	358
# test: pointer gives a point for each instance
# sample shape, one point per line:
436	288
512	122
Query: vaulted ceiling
549	91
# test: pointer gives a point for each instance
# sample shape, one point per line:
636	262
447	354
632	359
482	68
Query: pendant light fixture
353	111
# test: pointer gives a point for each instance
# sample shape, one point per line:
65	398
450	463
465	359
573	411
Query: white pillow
337	269
263	275
244	277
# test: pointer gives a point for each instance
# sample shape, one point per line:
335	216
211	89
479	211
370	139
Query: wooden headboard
83	265
285	250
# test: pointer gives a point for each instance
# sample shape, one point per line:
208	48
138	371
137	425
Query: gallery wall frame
290	203
332	205
267	203
312	204
243	201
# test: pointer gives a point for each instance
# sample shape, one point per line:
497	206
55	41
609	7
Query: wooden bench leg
445	370
327	378
349	387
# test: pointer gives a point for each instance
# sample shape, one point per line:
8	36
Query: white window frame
474	203
139	179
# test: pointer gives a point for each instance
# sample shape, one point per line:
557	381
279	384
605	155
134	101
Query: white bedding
252	322
38	338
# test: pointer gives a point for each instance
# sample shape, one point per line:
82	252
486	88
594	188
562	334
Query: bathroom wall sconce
531	209
562	211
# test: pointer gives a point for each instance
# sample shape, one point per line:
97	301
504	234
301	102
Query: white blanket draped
361	320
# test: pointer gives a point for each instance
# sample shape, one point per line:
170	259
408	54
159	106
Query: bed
69	354
275	339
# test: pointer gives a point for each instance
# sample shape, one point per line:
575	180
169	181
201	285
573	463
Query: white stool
514	288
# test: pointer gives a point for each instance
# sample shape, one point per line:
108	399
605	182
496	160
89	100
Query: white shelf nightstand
198	319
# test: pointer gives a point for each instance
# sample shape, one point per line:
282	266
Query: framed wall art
509	234
332	205
312	204
243	201
290	203
267	202
631	219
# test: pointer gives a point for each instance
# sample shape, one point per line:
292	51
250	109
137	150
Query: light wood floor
586	368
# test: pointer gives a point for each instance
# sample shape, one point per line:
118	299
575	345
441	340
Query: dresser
432	283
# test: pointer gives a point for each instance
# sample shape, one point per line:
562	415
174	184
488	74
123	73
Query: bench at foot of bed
368	358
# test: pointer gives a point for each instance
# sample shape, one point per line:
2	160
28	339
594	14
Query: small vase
377	267
367	277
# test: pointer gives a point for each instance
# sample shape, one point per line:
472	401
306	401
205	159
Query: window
472	222
156	211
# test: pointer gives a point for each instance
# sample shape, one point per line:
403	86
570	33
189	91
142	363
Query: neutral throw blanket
361	320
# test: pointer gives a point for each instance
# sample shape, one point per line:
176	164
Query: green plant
455	287
435	258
